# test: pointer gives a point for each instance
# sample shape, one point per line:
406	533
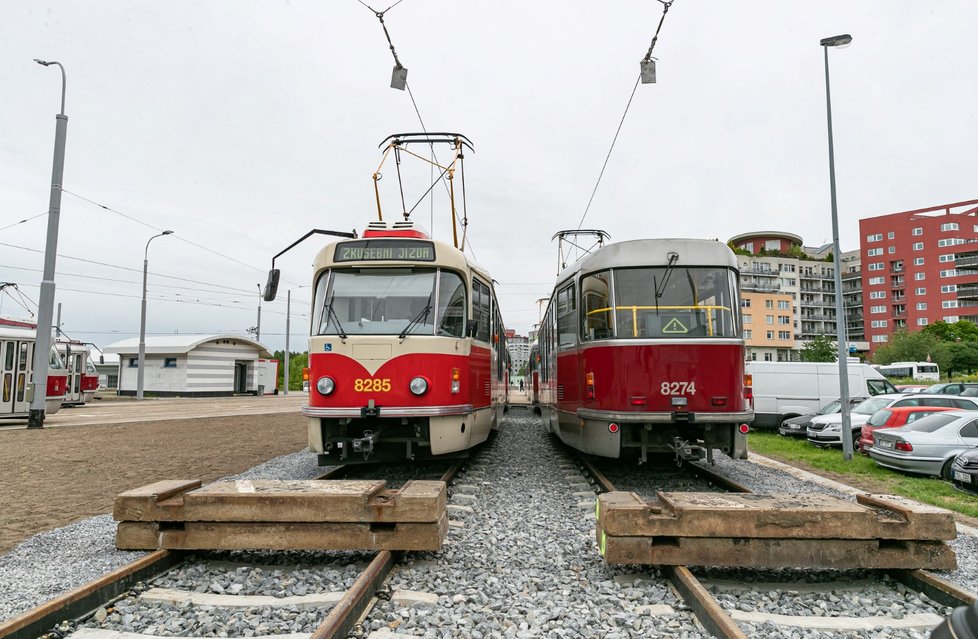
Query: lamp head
42	62
836	41
167	233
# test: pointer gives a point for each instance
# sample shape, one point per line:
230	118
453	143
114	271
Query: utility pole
288	309
258	328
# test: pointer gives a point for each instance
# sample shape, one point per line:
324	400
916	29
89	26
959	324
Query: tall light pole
140	372
258	328
45	311
840	326
288	320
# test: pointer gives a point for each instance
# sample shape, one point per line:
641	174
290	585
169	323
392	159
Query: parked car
951	388
798	426
827	429
964	471
893	418
929	445
912	388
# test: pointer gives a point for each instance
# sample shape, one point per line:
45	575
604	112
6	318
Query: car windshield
390	301
879	417
871	405
932	423
831	408
935	388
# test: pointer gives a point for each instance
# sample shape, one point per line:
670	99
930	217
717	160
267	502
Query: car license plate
962	477
885	444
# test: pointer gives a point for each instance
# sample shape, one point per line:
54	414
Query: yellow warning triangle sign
675	326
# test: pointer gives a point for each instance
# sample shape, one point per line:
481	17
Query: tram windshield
668	302
390	301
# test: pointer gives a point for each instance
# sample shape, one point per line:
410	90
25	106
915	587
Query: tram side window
481	308
566	317
451	300
595	307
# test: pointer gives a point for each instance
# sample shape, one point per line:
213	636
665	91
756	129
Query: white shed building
195	365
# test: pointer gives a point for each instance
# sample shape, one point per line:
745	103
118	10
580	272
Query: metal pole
288	317
837	262
140	372
57	324
42	343
258	328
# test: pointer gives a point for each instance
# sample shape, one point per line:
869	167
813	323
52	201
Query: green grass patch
863	470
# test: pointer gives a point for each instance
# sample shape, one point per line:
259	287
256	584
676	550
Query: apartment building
788	294
911	276
519	351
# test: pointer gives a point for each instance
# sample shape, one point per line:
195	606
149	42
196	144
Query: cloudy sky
240	125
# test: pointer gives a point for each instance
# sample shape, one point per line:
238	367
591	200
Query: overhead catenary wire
4	228
648	56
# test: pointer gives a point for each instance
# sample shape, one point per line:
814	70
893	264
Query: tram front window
675	303
390	301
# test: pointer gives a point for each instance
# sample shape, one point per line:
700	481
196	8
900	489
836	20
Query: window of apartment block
949	273
949	288
881	338
877	295
768	304
879	323
890	235
949	241
767	357
878	237
918	261
745	303
950	319
877	309
773	245
918	246
920	291
769	319
784	335
947	257
875	266
921	306
873	252
950	226
918	231
748	319
770	334
949	304
922	321
748	334
784	304
891	249
920	276
784	319
873	281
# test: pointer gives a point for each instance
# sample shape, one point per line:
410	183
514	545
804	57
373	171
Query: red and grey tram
17	374
82	376
642	352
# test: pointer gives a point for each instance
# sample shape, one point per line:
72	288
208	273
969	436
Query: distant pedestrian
521	385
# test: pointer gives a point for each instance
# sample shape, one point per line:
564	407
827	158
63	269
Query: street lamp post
288	319
140	372
840	332
258	327
45	311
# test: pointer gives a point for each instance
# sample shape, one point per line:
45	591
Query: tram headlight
325	385
418	386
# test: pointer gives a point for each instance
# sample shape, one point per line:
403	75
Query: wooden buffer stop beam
282	515
774	531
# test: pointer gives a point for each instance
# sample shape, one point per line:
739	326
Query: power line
4	228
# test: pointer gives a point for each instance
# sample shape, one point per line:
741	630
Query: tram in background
407	348
533	373
642	351
921	371
17	373
82	376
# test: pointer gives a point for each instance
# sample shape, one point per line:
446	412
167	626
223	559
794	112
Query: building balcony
815	276
968	291
756	287
966	261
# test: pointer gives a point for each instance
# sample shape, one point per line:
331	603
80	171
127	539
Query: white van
783	390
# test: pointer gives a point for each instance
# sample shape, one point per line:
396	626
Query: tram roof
654	252
16	332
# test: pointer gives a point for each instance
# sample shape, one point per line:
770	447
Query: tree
917	346
820	349
297	361
960	331
963	357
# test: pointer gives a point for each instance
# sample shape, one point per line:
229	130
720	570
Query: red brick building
909	278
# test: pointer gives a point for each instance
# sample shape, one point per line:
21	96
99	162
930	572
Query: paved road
118	410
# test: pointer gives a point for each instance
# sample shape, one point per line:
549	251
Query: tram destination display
385	250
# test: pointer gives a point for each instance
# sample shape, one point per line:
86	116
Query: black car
798	426
964	471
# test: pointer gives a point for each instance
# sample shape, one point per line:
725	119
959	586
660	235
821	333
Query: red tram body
17	374
82	376
641	352
407	349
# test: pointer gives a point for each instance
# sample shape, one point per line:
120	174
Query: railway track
121	595
734	603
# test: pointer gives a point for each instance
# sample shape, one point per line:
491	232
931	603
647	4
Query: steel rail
704	606
79	602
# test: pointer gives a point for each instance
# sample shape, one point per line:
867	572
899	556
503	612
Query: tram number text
678	388
370	385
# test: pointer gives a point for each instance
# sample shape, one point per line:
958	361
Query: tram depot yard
34	572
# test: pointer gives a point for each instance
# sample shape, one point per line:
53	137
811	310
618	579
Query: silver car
929	445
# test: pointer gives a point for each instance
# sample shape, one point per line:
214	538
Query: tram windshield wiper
331	313
660	290
418	319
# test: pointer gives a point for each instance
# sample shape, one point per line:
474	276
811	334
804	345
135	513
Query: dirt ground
54	476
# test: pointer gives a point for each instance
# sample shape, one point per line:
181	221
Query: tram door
15	360
76	368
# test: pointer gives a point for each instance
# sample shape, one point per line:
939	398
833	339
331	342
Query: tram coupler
686	451
366	443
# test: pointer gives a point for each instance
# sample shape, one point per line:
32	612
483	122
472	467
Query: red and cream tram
17	373
82	376
642	352
407	349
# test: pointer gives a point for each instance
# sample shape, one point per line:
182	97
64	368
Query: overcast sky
242	125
